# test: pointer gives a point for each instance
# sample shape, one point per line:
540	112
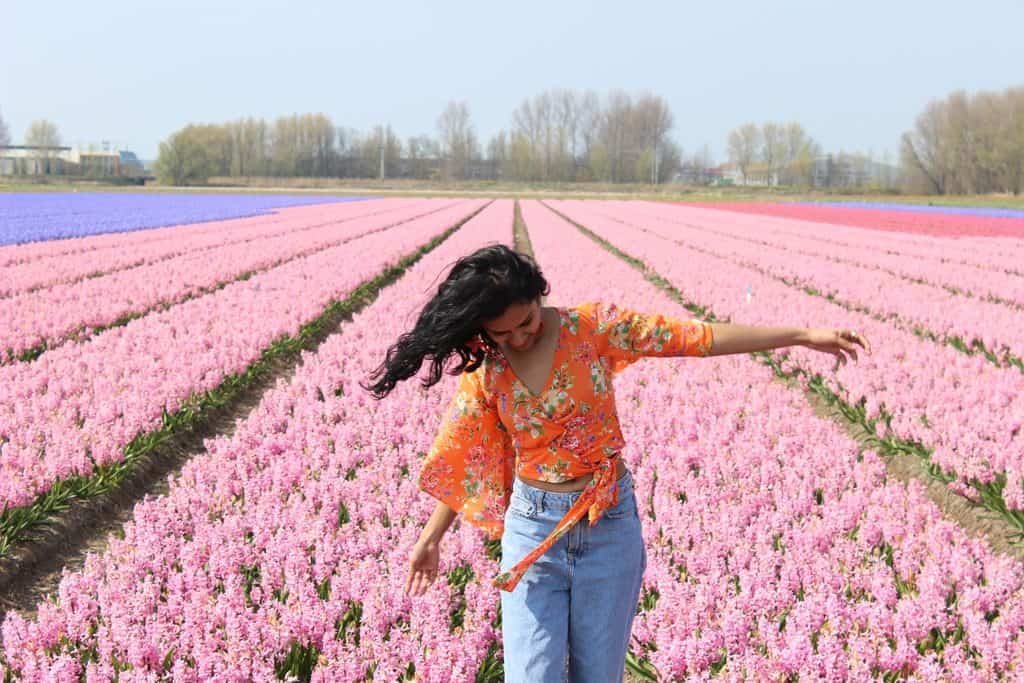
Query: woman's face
517	328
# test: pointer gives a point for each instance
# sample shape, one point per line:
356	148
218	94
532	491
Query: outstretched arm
730	338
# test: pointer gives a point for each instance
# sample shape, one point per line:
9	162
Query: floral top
496	427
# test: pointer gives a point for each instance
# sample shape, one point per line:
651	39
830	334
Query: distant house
697	174
757	175
40	160
852	170
827	170
33	160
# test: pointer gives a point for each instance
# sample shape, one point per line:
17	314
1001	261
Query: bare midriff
577	484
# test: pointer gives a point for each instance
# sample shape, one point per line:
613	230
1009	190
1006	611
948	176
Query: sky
855	75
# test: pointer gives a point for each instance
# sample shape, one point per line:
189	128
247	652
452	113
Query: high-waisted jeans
571	614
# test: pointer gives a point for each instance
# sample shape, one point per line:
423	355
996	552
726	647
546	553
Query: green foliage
349	624
298	662
193	154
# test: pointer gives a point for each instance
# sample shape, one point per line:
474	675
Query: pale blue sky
856	74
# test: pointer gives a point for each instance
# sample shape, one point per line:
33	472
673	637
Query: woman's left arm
730	338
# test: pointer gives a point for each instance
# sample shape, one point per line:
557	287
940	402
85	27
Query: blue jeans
571	614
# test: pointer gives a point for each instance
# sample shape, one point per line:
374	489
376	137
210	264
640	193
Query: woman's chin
525	347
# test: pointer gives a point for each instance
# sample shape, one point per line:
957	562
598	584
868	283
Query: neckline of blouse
554	360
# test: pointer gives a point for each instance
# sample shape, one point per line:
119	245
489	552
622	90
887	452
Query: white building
33	160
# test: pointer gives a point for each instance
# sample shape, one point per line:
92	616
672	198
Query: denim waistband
562	500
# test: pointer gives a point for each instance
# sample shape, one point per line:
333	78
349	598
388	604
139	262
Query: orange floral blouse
496	427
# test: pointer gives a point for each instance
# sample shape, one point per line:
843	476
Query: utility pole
380	139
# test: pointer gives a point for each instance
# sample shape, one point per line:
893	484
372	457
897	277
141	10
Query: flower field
928	220
45	318
29	217
779	548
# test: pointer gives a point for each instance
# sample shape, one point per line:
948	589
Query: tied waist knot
600	494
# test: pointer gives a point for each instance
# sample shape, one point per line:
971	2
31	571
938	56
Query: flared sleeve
471	465
624	336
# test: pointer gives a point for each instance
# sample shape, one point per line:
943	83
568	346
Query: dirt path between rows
34	569
977	521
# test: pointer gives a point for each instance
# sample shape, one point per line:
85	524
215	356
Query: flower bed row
32	216
984	253
41	320
938	269
969	324
959	412
994	212
133	249
919	223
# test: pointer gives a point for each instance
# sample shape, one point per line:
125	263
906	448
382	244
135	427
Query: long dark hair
479	287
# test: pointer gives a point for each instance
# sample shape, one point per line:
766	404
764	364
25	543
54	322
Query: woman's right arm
437	525
426	554
469	469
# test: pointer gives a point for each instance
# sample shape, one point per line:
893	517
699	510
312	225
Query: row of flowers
80	406
74	260
938	268
970	325
965	411
941	224
28	217
44	319
777	546
283	550
992	211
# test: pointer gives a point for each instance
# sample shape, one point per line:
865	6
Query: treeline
967	144
301	145
963	144
558	135
566	135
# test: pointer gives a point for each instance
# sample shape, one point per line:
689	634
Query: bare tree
543	110
967	144
924	152
1011	132
589	123
799	155
743	147
567	115
615	129
457	138
773	149
42	133
422	149
652	120
497	147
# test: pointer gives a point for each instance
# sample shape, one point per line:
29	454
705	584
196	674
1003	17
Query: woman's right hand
423	563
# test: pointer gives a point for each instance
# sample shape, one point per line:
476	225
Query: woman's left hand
838	342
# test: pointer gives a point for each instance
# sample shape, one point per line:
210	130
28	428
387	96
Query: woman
531	443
